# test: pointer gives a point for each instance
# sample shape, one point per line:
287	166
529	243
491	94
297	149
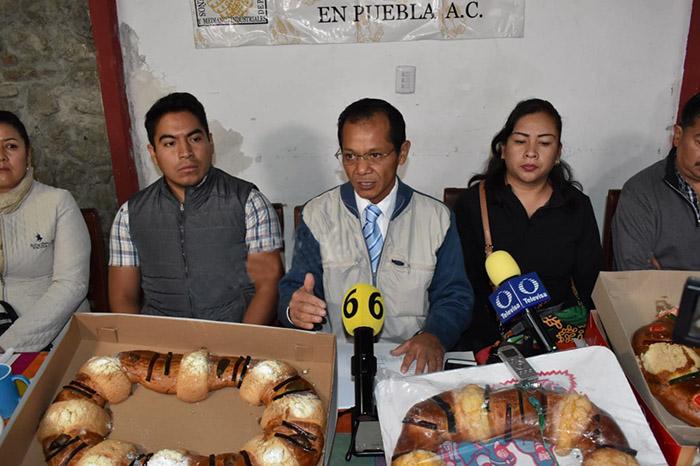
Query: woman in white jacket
44	248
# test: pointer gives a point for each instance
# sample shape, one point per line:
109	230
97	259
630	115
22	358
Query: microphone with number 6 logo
363	318
517	294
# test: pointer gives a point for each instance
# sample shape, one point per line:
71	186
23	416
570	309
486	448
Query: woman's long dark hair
13	120
495	173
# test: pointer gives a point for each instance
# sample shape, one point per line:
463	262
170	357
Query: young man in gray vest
376	229
198	242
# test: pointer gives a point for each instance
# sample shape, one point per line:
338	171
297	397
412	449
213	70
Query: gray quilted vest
193	255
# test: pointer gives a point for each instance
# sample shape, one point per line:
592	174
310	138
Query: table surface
26	364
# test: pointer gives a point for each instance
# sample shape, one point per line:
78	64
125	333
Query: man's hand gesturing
305	309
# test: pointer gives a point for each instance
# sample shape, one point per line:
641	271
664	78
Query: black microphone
687	328
363	318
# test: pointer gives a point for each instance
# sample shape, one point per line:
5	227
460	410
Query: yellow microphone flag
501	266
363	306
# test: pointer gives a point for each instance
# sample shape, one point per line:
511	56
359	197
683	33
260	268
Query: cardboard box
221	423
625	301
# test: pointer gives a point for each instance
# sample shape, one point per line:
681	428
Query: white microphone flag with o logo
504	299
528	286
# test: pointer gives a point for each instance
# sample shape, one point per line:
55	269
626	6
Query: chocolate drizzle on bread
421	423
244	370
299	430
298	436
447	409
74	387
141	460
296	440
59	444
234	374
279	386
72	454
151	365
168	360
221	366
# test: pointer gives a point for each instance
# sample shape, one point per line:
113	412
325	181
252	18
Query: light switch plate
405	79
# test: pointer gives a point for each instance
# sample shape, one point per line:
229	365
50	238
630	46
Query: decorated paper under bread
593	371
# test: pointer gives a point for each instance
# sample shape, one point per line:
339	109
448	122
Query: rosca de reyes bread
74	429
672	371
476	414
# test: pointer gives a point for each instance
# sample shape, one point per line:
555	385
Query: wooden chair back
279	209
297	215
450	195
610	205
97	288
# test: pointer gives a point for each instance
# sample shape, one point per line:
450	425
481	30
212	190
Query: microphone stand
364	368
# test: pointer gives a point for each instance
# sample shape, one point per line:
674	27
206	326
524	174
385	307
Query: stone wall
48	76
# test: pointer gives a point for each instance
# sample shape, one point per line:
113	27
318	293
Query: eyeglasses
372	157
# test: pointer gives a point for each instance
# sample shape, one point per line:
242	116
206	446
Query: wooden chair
297	215
279	209
610	206
97	288
450	195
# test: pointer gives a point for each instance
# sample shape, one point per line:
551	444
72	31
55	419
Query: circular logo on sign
504	299
528	286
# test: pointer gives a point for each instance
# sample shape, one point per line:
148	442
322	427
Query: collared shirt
262	231
689	193
386	205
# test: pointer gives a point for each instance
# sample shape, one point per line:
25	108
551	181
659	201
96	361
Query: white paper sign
230	23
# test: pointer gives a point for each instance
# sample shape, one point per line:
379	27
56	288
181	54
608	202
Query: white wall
612	68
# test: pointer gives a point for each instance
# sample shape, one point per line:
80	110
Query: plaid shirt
689	194
262	231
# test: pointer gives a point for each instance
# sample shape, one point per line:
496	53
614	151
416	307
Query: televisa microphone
363	318
517	293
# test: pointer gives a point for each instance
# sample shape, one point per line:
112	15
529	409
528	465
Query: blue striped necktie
373	235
